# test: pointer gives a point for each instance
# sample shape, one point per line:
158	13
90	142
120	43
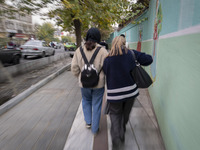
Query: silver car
36	48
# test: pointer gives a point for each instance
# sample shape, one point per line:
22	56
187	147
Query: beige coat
78	63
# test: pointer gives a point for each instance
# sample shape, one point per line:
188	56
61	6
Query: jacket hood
94	35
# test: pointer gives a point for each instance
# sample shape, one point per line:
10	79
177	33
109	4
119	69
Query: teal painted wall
175	91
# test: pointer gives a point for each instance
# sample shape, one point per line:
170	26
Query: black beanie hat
94	35
122	35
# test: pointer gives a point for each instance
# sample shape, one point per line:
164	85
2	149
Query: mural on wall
157	29
139	44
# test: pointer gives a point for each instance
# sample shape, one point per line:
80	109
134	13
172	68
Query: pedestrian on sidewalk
91	97
121	88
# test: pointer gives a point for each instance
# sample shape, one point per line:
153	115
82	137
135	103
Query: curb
14	101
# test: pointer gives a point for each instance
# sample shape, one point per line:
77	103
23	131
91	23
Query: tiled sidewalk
42	120
51	118
142	130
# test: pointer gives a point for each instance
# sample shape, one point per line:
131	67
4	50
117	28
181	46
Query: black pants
119	115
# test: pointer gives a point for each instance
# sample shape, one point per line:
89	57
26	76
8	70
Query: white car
36	48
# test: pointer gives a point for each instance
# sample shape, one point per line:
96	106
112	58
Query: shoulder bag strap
83	55
136	62
94	55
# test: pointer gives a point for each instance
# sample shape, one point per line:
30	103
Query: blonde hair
118	44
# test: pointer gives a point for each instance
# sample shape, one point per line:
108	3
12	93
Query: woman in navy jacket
121	88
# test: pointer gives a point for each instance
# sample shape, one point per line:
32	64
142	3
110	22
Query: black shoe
123	139
117	145
88	126
95	134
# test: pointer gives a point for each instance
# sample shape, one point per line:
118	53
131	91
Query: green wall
175	92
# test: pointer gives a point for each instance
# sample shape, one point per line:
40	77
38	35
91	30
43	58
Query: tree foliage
136	10
79	15
66	39
45	32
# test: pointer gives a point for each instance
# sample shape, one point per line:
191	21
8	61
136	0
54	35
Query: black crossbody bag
140	76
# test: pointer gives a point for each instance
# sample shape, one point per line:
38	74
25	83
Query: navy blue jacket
120	84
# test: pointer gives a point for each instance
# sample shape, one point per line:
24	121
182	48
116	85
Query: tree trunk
77	25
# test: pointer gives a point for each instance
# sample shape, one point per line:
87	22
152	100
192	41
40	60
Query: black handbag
140	76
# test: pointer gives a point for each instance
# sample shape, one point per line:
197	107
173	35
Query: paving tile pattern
52	119
44	119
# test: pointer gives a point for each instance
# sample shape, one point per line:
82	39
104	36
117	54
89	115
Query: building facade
15	26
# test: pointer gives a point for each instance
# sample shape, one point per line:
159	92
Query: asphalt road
18	84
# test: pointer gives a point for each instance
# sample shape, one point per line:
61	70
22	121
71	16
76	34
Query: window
44	44
35	43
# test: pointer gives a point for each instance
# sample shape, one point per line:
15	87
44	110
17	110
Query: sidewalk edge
14	101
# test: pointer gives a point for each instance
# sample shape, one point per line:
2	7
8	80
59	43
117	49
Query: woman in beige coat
91	97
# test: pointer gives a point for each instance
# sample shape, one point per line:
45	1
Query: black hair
90	45
122	35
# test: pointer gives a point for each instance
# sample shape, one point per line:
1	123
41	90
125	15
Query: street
18	84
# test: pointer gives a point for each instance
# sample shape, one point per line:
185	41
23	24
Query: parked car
36	48
10	56
59	46
70	46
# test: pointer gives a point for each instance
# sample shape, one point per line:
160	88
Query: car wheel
71	55
16	60
72	49
25	56
43	54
